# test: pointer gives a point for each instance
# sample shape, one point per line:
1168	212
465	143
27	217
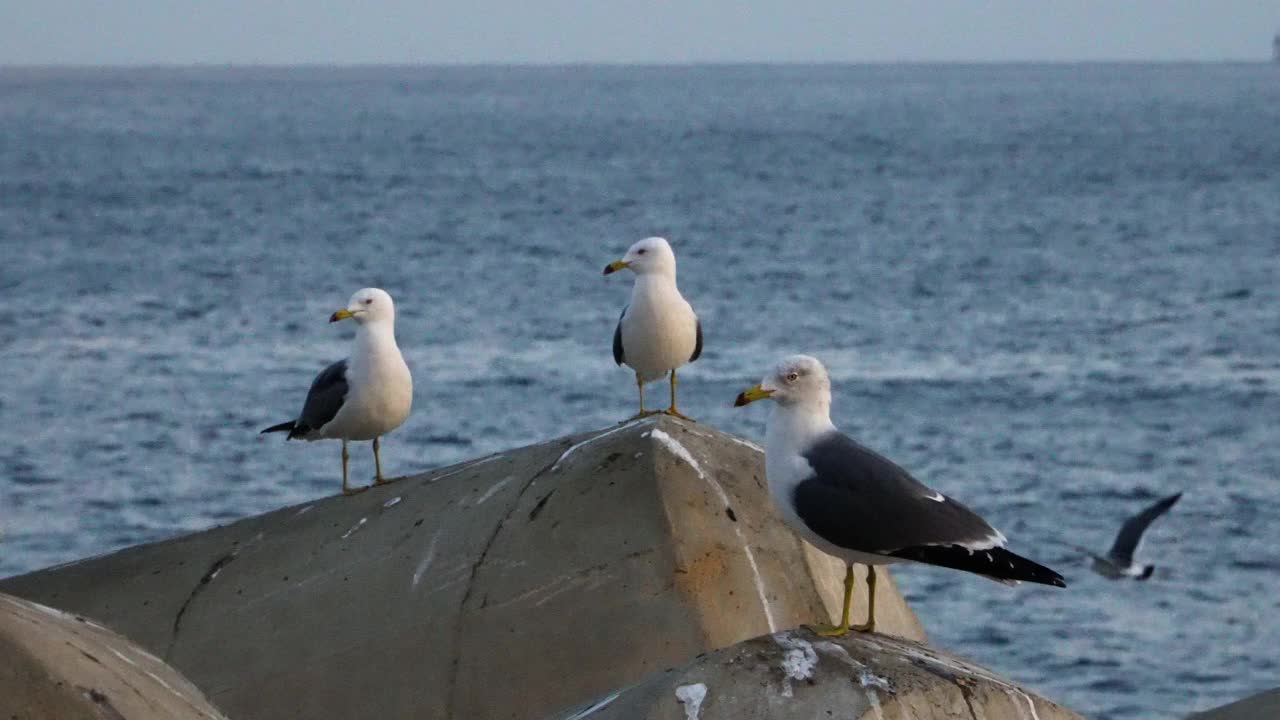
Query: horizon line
552	64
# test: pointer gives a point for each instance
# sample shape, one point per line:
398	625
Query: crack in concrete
475	569
195	591
103	703
968	701
537	508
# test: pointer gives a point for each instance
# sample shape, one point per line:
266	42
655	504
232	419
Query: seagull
658	331
859	506
365	396
1118	562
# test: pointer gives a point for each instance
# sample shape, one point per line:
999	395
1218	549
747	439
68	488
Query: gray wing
324	399
1131	532
861	500
618	355
697	348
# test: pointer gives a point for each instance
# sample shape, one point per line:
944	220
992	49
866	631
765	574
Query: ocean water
1050	291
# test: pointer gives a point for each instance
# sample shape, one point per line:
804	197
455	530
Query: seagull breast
659	329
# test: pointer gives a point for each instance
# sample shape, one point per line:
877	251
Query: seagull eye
641	251
793	376
368	301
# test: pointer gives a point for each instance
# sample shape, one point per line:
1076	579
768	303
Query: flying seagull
658	331
365	396
859	506
1118	562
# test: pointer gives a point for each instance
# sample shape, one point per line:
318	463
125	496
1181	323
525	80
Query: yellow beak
341	315
615	266
750	396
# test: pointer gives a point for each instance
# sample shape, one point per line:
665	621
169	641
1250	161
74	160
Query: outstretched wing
618	356
324	399
1131	532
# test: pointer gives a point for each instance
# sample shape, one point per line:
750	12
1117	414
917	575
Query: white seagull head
367	306
799	380
651	256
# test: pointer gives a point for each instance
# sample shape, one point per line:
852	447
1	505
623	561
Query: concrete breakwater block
1262	706
797	675
505	587
55	665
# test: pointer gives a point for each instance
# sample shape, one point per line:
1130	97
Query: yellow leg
673	410
870	624
844	626
377	463
643	412
346	458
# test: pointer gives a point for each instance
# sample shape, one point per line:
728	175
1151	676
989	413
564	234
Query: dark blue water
1051	291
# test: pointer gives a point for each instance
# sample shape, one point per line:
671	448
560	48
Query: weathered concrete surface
55	665
798	675
507	587
1263	706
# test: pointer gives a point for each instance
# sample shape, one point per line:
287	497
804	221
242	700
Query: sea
1050	291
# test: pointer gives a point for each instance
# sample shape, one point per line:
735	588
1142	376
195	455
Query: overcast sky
554	31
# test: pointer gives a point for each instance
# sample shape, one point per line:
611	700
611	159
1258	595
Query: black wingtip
282	427
1033	571
996	563
1164	504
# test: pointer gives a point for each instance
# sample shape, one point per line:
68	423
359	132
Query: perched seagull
658	331
861	507
1118	562
364	396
